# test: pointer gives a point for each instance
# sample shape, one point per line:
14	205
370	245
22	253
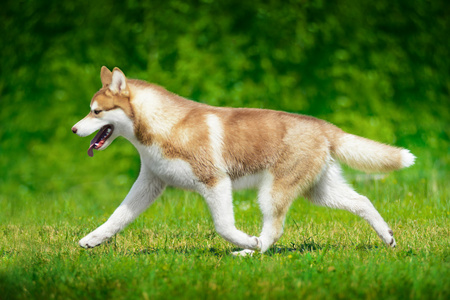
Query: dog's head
110	112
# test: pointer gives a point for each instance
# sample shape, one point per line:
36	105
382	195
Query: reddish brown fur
195	150
109	101
251	142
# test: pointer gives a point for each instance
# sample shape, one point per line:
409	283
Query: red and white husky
213	150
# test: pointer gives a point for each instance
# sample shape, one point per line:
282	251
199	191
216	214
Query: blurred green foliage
375	68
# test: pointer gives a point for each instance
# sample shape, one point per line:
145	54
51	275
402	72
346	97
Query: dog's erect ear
105	76
119	83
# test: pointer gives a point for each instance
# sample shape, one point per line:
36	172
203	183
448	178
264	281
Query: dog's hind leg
332	191
273	222
274	204
220	202
144	191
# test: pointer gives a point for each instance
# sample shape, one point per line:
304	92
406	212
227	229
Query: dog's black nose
74	129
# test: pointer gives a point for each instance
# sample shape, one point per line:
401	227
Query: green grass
172	250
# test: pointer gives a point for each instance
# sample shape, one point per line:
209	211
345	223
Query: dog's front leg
144	191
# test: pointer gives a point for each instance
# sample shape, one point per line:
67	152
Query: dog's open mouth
100	138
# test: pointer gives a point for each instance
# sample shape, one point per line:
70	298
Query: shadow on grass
192	251
305	247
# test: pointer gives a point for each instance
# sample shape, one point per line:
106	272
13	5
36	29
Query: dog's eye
97	111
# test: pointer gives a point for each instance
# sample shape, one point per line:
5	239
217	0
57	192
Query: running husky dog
213	150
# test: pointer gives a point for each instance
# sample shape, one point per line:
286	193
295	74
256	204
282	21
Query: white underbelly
174	172
249	181
179	173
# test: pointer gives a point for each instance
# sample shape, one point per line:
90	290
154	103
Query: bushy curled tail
369	156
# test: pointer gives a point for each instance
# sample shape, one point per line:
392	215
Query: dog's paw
392	244
391	240
92	240
388	239
243	253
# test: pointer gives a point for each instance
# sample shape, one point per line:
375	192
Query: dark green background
375	68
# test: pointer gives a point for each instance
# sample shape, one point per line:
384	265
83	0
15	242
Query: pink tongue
91	150
96	139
